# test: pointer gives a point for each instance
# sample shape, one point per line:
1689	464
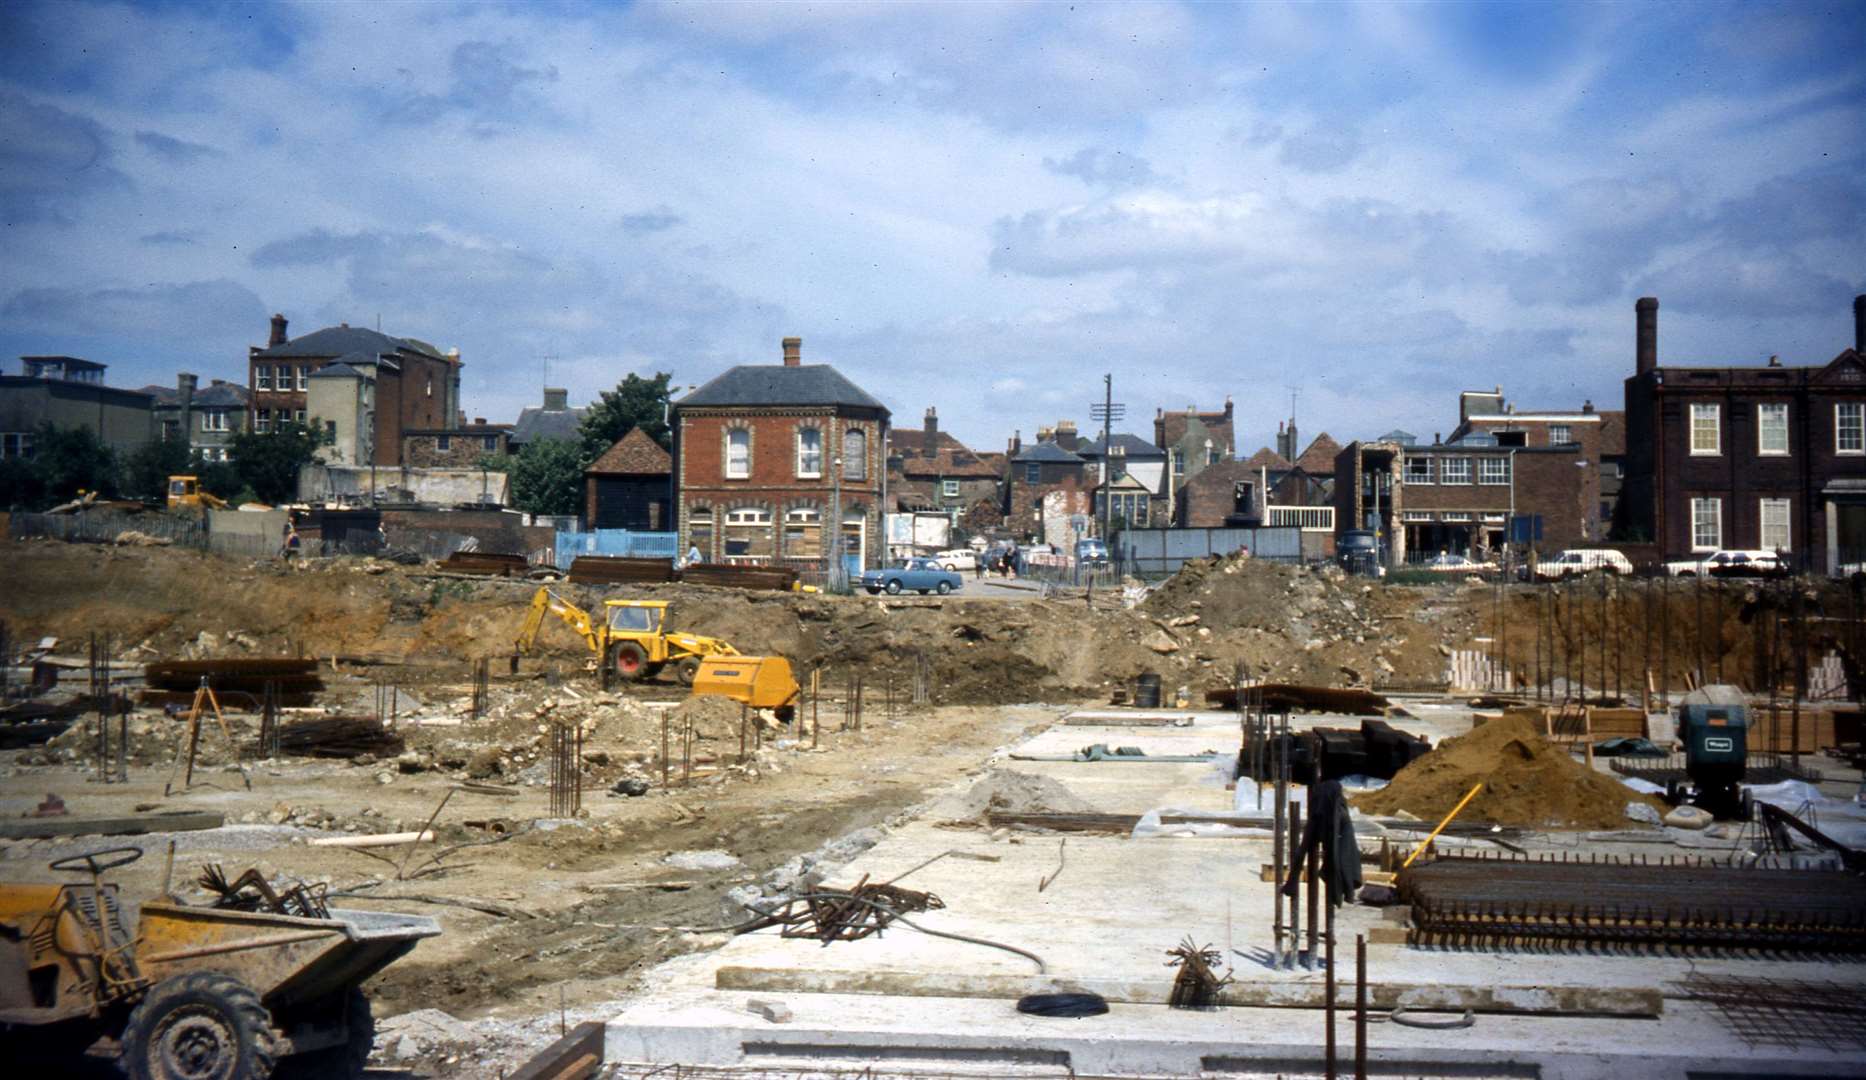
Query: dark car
1358	552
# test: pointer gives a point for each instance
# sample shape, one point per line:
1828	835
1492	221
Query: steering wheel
95	863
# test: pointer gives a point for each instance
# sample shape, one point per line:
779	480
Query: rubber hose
1062	1005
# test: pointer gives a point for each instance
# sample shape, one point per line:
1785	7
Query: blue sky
980	207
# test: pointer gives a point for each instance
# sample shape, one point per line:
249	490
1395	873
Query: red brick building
764	453
1598	437
394	385
1047	465
928	469
1768	457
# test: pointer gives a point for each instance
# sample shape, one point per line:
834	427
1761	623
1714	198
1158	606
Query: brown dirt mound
1528	783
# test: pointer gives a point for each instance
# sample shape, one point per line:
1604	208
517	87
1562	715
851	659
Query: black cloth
1329	826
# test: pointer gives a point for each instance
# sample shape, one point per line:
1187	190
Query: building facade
1597	437
928	469
207	418
69	392
630	486
461	447
392	385
1037	469
1193	441
1764	457
771	462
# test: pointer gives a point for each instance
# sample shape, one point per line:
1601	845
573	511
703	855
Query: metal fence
1158	553
623	543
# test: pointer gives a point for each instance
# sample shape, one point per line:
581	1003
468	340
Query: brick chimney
1859	325
278	332
1066	435
1227	406
1017	443
556	399
929	440
185	382
793	352
1646	335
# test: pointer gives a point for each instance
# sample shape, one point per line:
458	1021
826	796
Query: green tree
634	403
147	468
70	460
268	461
546	477
21	485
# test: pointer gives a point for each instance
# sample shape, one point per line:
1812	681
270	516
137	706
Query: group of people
1003	562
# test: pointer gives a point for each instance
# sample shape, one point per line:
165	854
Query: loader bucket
763	682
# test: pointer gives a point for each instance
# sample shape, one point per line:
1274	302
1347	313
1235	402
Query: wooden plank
1527	1000
576	1056
378	840
136	825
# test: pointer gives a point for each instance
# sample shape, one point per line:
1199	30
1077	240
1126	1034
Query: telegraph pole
1107	412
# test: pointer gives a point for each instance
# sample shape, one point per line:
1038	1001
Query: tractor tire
686	670
345	1062
894	587
198	1026
630	661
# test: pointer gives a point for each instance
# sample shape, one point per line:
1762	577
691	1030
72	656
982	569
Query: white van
1582	561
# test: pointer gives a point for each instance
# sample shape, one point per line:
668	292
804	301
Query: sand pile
1528	783
1004	792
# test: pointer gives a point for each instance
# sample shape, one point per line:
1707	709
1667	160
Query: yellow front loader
185	493
631	639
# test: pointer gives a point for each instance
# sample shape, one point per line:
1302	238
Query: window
1706	429
855	455
489	443
330	429
1493	470
282	377
16	444
1850	428
1775	529
262	421
443	442
700	530
1772	429
748	533
1560	435
430	390
1211	453
1706	523
262	377
303	371
299	416
1454	470
1033	472
949	488
803	532
1418	470
1179	463
809	453
214	420
738	454
748	515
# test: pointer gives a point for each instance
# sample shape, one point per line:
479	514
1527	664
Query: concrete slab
1104	923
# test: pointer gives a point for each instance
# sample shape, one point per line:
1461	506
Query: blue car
921	575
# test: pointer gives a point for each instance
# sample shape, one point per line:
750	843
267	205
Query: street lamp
837	574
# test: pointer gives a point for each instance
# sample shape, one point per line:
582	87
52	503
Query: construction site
354	816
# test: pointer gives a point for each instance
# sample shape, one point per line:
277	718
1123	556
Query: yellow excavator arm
548	602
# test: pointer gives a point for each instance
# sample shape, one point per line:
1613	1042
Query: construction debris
1197	984
339	737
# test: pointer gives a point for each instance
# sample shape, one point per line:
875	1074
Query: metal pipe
1295	891
1360	1007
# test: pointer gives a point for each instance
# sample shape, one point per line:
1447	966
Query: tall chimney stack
278	332
1646	317
1859	325
793	352
929	440
556	399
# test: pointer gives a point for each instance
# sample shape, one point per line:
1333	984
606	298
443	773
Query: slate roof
536	424
1320	456
634	454
1266	458
779	384
339	340
1046	451
1173	426
1132	445
954	464
339	369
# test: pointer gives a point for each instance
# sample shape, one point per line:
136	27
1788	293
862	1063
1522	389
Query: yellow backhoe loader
631	639
185	493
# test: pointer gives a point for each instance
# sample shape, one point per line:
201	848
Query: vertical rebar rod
1314	870
664	749
1328	975
1295	891
686	754
816	723
1360	1007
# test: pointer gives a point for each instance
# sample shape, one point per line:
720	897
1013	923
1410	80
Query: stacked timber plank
777	578
486	564
237	683
614	570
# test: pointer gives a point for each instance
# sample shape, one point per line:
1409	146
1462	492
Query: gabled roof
338	340
1266	458
634	454
1320	456
957	464
1173	425
337	370
538	425
1132	445
1046	452
780	384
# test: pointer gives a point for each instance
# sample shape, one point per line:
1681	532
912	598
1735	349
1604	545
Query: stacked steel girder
1541	903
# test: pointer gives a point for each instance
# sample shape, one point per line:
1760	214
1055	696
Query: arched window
738	453
809	453
855	454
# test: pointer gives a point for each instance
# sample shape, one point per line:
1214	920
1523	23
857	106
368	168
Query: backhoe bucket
763	682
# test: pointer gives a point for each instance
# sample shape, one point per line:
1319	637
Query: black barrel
1147	692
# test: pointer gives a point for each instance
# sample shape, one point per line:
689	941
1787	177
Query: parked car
922	575
1577	561
1728	564
1446	562
1358	552
1091	553
958	560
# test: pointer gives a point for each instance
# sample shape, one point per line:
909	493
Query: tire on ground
198	1026
686	670
630	661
